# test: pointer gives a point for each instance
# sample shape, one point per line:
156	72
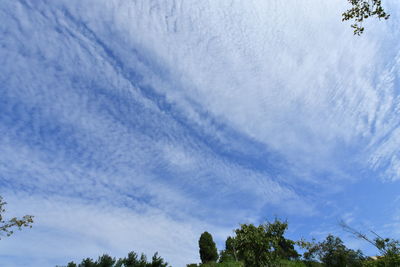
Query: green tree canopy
262	245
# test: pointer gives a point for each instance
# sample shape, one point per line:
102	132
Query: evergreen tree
208	249
105	261
88	262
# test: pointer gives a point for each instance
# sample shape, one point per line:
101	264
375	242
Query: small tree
207	248
7	226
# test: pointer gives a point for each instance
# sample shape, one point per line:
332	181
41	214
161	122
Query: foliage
105	261
207	248
266	246
263	245
230	252
332	252
7	226
361	10
225	256
88	262
133	260
284	248
253	245
390	250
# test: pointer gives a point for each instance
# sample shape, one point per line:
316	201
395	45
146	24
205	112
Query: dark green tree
157	261
361	10
284	248
88	262
132	260
207	248
72	264
105	261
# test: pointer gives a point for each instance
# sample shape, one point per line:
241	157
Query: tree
284	248
157	261
332	252
207	248
105	261
253	245
263	245
7	226
361	10
88	262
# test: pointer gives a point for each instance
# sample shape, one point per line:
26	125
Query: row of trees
265	245
132	260
252	246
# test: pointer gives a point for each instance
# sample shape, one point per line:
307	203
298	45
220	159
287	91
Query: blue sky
137	125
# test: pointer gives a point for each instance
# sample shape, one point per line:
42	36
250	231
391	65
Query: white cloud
302	85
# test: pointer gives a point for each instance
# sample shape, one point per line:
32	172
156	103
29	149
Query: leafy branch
7	226
361	10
